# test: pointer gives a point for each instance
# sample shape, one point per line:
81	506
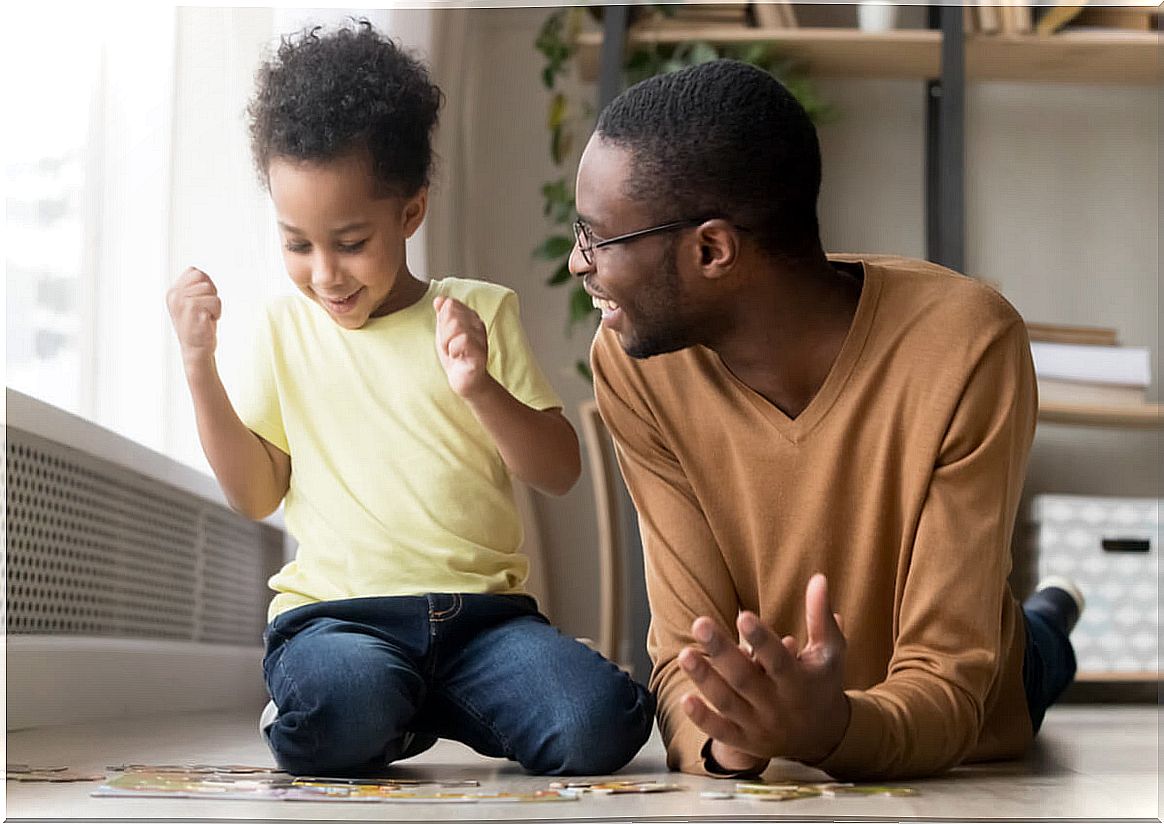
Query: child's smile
340	306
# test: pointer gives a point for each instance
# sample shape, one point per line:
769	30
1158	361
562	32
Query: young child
388	414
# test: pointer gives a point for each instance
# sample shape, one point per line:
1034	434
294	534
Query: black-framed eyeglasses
587	242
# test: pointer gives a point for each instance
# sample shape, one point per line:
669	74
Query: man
852	428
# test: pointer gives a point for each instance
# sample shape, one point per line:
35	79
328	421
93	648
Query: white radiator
131	587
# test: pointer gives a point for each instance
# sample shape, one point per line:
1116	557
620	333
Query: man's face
342	244
636	284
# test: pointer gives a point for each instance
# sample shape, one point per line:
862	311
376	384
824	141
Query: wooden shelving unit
1099	57
1116	677
1147	416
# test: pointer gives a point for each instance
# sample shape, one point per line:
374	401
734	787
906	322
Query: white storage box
1110	547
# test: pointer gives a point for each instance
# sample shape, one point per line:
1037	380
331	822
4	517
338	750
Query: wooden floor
1092	762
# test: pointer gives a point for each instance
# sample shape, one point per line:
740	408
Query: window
48	178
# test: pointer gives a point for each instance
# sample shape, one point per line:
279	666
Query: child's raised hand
195	309
462	345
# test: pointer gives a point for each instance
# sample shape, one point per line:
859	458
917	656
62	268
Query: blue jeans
1048	665
361	683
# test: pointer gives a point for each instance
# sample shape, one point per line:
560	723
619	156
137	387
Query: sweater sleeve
928	712
685	571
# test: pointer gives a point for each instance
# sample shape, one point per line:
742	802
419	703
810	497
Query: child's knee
597	733
336	731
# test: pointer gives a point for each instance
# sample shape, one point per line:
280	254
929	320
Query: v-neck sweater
900	481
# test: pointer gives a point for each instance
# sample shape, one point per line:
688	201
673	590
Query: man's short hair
722	139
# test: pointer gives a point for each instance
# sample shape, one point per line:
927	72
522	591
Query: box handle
1126	545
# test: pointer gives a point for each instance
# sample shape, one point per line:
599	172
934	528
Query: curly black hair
323	95
727	139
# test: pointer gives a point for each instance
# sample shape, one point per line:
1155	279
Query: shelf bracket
614	25
945	145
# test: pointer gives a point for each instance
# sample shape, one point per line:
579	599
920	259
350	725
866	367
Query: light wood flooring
1091	762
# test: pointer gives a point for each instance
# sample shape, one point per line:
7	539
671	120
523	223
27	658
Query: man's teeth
604	305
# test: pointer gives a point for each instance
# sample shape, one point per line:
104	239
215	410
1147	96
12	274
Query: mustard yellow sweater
900	481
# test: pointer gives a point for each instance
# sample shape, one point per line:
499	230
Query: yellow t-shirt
396	488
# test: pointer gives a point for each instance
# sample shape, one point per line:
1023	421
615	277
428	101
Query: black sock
1056	605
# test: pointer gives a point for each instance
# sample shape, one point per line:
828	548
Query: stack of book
774	15
991	17
1086	365
696	15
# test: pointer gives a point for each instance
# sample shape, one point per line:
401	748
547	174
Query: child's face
343	245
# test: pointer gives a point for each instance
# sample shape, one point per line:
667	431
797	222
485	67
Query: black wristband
713	767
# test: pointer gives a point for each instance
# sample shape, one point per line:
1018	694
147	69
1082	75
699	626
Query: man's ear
414	211
718	247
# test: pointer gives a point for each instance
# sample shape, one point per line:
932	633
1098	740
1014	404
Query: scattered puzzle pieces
51	775
792	792
615	787
242	784
239	782
197	769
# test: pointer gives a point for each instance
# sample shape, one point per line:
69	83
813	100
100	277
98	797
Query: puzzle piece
792	792
868	789
53	775
198	769
600	787
282	787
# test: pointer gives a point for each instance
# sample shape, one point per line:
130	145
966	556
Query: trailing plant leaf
700	53
558	202
557	111
554	247
560	143
557	48
581	307
561	274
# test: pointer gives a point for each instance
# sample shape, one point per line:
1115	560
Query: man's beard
662	328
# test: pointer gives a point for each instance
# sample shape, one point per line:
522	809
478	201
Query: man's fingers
733	666
767	650
711	722
712	686
822	627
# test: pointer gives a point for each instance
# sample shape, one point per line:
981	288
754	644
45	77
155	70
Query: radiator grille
95	549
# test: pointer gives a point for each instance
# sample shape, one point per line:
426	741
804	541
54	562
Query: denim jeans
1048	665
361	683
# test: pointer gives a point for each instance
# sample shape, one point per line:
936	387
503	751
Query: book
1022	19
709	13
988	17
1054	390
1006	19
1056	18
1059	333
1126	19
1090	363
778	15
